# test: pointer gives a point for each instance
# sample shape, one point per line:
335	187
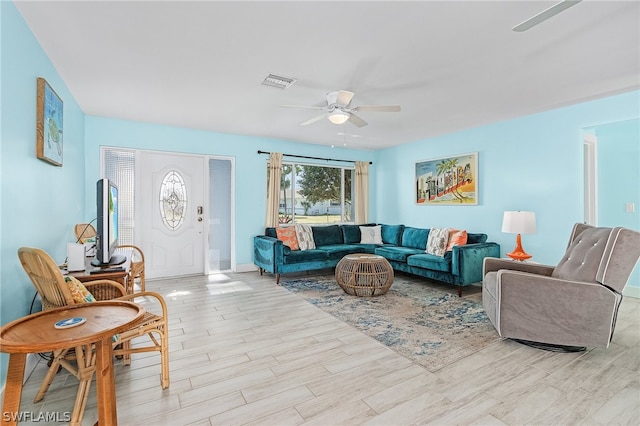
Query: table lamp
517	222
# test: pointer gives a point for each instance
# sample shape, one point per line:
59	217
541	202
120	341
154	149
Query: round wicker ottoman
364	274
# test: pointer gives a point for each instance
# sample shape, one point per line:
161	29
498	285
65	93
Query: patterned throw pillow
437	241
456	238
78	291
371	234
82	295
288	237
305	237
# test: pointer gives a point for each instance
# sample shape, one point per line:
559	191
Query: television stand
116	259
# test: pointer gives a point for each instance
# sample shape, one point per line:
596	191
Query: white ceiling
451	65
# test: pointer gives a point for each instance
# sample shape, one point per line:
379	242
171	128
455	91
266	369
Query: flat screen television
107	225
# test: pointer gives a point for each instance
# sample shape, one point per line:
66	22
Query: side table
363	274
36	333
121	277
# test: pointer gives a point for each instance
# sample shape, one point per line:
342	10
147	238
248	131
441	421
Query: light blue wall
40	202
250	173
530	163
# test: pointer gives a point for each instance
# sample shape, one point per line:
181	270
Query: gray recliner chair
567	307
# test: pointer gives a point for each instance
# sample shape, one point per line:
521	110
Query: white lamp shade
338	117
517	222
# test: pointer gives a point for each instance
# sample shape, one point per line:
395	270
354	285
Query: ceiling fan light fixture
338	117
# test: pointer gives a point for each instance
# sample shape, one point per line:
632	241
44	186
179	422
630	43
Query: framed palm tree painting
447	181
48	124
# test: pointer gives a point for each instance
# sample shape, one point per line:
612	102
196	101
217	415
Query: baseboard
631	292
30	365
246	267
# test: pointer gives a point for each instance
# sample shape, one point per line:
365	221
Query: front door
172	221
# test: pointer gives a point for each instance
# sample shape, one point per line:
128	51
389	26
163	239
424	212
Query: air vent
278	81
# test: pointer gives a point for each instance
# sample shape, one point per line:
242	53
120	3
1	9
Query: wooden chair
55	293
136	270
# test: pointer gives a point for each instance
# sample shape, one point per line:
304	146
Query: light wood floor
245	351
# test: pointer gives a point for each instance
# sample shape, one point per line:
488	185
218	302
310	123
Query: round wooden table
364	274
36	333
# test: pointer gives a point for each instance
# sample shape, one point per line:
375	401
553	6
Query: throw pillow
437	241
78	291
371	234
305	237
288	237
456	238
80	294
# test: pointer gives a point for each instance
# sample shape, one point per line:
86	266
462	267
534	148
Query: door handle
199	210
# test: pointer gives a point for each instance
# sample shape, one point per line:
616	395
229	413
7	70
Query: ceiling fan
545	14
339	111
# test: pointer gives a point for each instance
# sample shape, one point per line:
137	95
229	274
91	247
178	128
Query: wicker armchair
54	292
84	231
136	270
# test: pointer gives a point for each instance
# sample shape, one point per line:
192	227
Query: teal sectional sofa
403	246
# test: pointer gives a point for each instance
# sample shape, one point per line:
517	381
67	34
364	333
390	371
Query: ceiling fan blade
344	97
545	14
303	106
377	108
357	120
314	119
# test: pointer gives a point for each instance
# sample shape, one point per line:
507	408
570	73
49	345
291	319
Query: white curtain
362	192
273	191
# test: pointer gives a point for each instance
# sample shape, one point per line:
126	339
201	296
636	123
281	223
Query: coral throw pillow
78	291
456	238
288	237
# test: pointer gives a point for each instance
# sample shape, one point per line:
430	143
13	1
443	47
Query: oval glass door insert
173	200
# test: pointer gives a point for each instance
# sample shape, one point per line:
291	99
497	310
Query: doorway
170	203
187	231
590	158
612	180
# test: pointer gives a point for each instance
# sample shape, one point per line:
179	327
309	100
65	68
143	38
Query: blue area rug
420	320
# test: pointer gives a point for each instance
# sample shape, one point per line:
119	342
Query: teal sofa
403	246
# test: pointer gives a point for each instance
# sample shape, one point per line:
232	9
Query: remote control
105	270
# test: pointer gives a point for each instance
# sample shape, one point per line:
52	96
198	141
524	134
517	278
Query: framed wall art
447	181
48	124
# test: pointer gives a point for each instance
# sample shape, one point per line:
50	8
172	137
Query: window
316	194
119	166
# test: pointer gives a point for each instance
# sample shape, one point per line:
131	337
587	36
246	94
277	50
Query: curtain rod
312	158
